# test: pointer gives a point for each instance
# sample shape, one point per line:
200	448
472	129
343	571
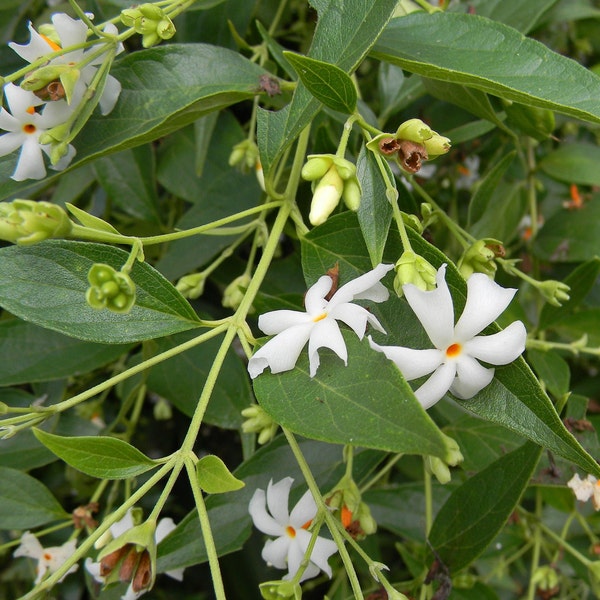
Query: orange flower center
290	531
50	43
29	128
453	350
47	556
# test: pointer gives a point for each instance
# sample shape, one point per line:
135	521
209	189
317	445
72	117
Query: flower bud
191	286
151	11
453	454
110	289
258	421
555	292
276	590
352	194
27	222
439	468
326	197
165	29
546	579
244	155
437	145
414	130
260	175
235	291
316	166
162	410
478	258
413	268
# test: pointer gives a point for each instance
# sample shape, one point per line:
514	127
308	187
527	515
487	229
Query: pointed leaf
46	284
102	457
490	57
214	477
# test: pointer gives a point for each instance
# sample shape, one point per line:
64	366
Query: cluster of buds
413	142
413	268
258	421
479	258
354	514
333	178
110	289
234	292
191	286
26	222
439	467
150	21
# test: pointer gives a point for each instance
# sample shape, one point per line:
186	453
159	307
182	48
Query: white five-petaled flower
318	325
454	361
587	488
163	528
49	559
24	125
72	32
288	550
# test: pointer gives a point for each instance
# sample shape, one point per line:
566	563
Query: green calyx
110	289
150	21
414	269
52	82
276	590
26	222
479	258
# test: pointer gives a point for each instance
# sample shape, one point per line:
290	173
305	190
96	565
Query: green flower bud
414	130
439	468
110	289
352	194
150	39
346	170
60	133
276	590
191	286
235	291
58	151
478	258
316	166
165	29
3	408
413	268
258	421
326	197
546	578
453	454
151	11
27	222
437	145
162	410
244	155
555	292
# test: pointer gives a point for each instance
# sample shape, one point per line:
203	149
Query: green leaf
581	281
46	284
474	513
520	15
473	51
374	212
552	369
98	456
366	404
164	89
214	477
573	163
45	355
25	502
571	236
276	131
326	82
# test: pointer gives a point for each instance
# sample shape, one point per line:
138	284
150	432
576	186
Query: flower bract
454	362
269	512
318	325
49	559
24	125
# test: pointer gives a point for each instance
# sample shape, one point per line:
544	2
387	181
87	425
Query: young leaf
25	502
490	57
327	83
474	513
46	284
214	477
98	456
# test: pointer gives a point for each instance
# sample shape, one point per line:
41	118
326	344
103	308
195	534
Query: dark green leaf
491	57
98	456
327	83
552	370
46	284
25	502
573	163
475	512
520	15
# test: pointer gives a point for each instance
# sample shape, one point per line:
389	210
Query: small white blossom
318	325
288	550
454	361
468	173
24	125
587	488
49	559
72	32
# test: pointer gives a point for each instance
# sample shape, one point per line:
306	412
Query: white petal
471	377
125	524
9	142
277	499
412	363
9	123
325	334
130	594
275	552
304	511
486	300
262	520
19	100
436	386
110	95
277	321
582	488
499	348
70	31
163	529
366	287
354	316
281	352
176	574
31	162
296	551
58	556
36	48
315	296
93	568
30	546
322	550
65	161
54	113
434	309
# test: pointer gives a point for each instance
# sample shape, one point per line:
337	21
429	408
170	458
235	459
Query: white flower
163	528
72	32
587	488
318	326
25	125
49	559
468	173
454	360
288	550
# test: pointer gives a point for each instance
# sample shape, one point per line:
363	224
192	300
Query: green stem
537	542
381	473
